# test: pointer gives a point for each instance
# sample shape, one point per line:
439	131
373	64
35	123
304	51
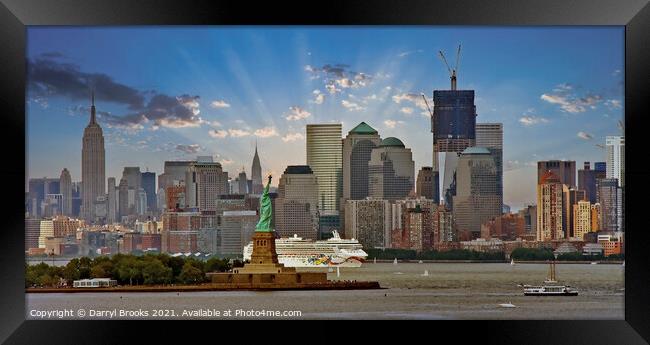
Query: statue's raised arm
264	224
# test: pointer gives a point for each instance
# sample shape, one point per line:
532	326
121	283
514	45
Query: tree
191	275
154	272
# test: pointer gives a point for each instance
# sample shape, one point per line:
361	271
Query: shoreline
410	261
330	285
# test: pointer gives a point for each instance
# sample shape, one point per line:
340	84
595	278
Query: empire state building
93	167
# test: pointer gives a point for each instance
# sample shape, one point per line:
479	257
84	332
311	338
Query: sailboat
374	261
420	261
395	261
551	274
512	262
426	273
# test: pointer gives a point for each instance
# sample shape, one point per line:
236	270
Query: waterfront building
180	231
564	170
477	196
549	208
324	157
391	170
369	221
357	147
616	158
595	217
65	187
134	241
493	245
256	174
412	224
426	184
610	199
296	209
529	213
149	185
444	230
490	136
93	165
611	245
65	226
581	219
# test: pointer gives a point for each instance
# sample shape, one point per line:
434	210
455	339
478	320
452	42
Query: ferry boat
298	252
550	288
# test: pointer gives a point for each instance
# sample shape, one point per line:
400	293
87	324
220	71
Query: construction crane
452	72
427	104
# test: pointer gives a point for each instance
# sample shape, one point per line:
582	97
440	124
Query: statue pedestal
264	258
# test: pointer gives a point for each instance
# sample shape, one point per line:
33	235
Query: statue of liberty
264	224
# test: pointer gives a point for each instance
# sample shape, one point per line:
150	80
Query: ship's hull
574	293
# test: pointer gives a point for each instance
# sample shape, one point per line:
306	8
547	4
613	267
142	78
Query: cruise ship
298	252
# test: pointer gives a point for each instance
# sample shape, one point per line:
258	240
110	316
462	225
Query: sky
171	93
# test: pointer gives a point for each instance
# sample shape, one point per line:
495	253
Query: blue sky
166	93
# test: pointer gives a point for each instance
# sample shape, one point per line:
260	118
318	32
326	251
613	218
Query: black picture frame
15	15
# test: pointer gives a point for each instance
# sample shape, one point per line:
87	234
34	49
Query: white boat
594	263
426	273
395	261
374	261
420	261
550	290
507	305
512	262
298	252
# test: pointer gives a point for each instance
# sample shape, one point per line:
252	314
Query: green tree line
147	269
454	254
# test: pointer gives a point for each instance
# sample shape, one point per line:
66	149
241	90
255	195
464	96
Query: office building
412	224
112	203
296	209
529	214
549	208
391	170
256	174
93	165
32	232
477	196
506	227
174	173
37	189
324	157
123	199
369	221
610	199
426	184
357	147
490	136
453	125
236	229
581	219
204	182
46	230
587	181
148	180
65	187
564	170
616	158
595	217
570	197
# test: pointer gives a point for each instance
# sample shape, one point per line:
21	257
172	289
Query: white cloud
226	161
219	104
319	97
585	135
569	102
189	149
416	99
392	123
237	133
531	120
266	132
407	53
218	133
332	89
351	106
406	110
297	113
290	137
613	103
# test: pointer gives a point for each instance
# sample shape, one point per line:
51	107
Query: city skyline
166	94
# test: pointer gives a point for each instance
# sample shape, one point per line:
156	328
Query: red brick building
506	227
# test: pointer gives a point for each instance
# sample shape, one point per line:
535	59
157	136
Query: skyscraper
296	207
477	195
65	187
610	199
112	206
242	182
204	182
570	197
93	165
149	185
369	221
490	136
453	125
587	182
256	174
616	158
581	219
357	146
426	184
564	170
391	170
123	197
324	157
549	208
